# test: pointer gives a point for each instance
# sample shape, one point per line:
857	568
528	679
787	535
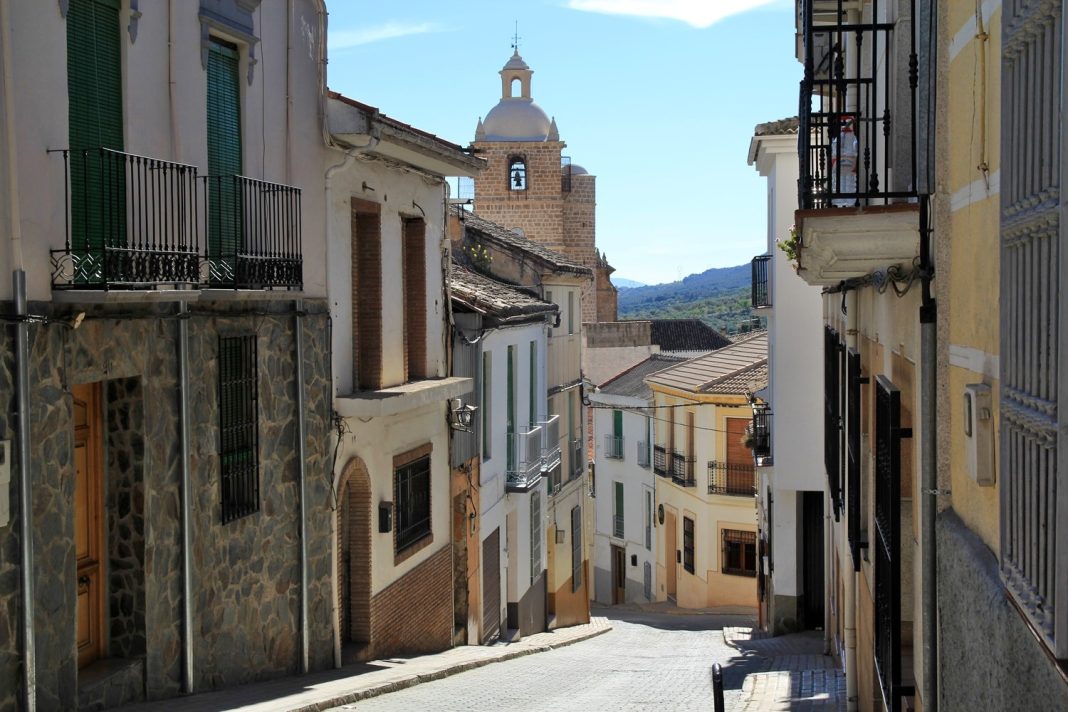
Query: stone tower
529	186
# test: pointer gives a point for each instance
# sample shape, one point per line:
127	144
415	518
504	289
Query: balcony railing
130	221
643	454
735	479
253	230
682	469
550	441
524	459
853	74
613	447
761	296
661	461
576	457
761	435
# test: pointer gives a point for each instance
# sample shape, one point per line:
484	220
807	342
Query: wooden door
491	586
89	521
670	549
619	575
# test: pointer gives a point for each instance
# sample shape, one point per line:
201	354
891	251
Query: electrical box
979	433
5	482
385	517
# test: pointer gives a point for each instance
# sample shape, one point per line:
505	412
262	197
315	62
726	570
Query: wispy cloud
696	13
345	39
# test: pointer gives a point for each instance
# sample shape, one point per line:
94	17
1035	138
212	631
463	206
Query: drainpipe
928	468
187	498
851	578
22	375
301	438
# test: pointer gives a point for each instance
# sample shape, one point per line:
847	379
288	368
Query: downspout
928	467
22	376
852	578
187	498
301	438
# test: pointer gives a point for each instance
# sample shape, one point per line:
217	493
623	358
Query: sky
657	98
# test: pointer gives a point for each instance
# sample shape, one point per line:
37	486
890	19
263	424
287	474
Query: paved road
649	661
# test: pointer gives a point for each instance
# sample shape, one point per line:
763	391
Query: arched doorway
354	561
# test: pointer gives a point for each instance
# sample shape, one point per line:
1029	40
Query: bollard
717	687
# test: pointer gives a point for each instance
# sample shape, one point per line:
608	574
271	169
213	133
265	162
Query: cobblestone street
648	660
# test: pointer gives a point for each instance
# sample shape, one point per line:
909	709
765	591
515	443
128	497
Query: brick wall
415	312
538	210
413	615
366	294
356	509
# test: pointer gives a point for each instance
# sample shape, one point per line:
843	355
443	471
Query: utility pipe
301	438
928	467
22	370
850	577
187	498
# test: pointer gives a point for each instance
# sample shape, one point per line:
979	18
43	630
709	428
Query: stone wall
246	573
538	210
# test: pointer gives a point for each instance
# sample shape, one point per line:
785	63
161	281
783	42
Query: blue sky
657	98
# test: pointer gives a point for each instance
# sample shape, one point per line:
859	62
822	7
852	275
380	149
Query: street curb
387	687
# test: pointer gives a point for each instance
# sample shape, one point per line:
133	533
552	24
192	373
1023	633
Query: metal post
717	687
301	437
928	469
187	496
22	368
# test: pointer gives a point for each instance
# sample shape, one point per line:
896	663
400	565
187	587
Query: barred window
238	427
739	553
687	544
535	536
411	495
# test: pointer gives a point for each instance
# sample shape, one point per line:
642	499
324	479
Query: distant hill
718	296
621	283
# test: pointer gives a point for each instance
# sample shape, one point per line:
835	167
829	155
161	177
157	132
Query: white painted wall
164	123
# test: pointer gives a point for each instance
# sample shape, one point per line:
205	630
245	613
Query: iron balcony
733	479
524	459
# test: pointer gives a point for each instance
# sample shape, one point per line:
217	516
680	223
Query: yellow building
706	549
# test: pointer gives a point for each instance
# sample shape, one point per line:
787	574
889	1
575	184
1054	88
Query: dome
516	62
576	170
516	119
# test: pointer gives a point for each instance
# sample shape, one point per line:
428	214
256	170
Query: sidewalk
798	676
332	688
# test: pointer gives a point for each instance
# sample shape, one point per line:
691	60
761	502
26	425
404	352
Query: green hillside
718	296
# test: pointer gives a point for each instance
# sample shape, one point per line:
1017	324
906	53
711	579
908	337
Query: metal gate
491	587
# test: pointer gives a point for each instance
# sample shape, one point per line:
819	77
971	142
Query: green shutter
94	94
224	157
619	501
617	423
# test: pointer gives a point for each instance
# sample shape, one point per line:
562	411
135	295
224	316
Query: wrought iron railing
550	441
729	478
761	293
864	74
130	221
643	454
661	461
682	469
253	234
613	447
525	463
761	434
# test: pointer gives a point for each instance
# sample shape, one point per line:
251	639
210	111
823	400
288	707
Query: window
570	312
739	553
238	427
517	173
411	502
549	298
576	549
224	159
649	520
533	383
487	420
367	294
415	308
535	535
614	443
512	455
687	544
617	511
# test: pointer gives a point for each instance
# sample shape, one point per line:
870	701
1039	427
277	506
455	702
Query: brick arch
354	553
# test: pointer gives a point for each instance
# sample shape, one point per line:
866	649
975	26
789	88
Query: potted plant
792	247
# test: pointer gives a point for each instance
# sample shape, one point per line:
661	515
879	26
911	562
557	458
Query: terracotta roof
748	380
631	383
729	367
777	128
510	238
394	122
501	301
685	335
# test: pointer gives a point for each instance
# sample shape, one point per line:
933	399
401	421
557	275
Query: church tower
529	186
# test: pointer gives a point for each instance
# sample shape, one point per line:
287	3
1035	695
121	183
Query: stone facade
246	574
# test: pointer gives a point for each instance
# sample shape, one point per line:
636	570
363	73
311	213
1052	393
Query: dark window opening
411	493
239	427
739	553
688	545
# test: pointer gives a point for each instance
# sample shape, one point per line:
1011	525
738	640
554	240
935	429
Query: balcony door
94	94
739	456
89	521
224	160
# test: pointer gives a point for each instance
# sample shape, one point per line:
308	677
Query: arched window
517	173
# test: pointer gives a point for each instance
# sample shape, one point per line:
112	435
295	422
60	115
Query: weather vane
516	38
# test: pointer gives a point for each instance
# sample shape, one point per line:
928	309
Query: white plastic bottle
844	150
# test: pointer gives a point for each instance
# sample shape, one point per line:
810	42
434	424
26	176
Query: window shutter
576	549
224	149
617	423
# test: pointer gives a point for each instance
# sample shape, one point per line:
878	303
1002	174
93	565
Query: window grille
411	495
739	553
238	427
648	581
853	502
576	549
832	418
535	535
888	435
649	521
687	545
